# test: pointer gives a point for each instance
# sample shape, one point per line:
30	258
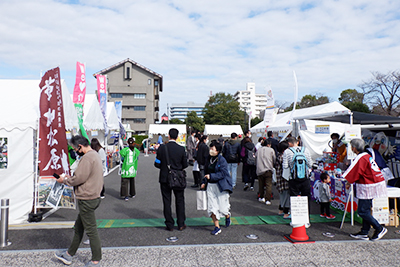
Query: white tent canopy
224	130
284	123
20	101
164	128
112	117
92	116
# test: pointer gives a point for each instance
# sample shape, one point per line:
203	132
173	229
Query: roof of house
117	65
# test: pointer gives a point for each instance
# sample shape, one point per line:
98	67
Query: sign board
351	133
299	210
322	129
380	209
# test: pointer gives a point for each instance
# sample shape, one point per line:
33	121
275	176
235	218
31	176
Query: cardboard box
393	220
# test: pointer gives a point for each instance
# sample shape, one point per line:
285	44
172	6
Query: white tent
163	129
20	101
284	123
224	130
92	116
112	117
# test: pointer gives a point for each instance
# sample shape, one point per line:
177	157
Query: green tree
175	121
353	100
194	121
255	121
223	109
313	100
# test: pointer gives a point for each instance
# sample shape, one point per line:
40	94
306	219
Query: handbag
175	179
201	200
274	175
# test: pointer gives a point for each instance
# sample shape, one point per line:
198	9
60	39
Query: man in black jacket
178	161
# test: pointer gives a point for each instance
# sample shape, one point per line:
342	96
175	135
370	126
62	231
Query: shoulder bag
175	179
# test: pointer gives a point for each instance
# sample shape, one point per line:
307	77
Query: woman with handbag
219	185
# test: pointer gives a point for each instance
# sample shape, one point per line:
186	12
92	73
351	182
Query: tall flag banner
79	95
296	93
53	145
102	97
118	108
80	84
269	117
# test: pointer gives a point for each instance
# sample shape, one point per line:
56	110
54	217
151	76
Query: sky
208	46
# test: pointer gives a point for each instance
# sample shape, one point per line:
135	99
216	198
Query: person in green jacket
129	158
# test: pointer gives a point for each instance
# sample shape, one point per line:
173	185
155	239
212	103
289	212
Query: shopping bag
201	200
274	175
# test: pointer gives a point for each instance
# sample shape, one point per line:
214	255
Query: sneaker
378	235
227	221
268	202
133	196
86	242
90	264
262	200
330	217
126	198
287	216
102	197
307	225
64	257
251	188
322	215
360	235
216	231
246	186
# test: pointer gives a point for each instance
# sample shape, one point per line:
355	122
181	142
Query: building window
155	82
149	82
139	96
139	120
139	108
116	95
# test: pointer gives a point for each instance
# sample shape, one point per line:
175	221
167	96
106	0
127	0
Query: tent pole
351	118
36	168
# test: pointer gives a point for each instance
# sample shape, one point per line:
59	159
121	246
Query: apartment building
251	102
180	111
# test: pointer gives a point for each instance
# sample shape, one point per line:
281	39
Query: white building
251	102
180	111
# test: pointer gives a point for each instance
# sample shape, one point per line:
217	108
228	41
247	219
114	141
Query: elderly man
88	183
370	184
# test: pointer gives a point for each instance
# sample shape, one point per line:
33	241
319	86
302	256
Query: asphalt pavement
33	244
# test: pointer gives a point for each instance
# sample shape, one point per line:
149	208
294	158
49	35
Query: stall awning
225	130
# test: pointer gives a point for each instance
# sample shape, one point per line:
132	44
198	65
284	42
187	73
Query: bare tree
383	93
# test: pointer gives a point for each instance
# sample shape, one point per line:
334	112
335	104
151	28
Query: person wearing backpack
298	160
231	152
248	154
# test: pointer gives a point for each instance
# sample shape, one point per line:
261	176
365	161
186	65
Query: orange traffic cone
299	235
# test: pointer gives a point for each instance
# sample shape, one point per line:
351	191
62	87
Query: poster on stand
3	152
46	185
380	209
54	196
299	210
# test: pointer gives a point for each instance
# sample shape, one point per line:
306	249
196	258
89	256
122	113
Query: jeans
86	221
249	174
232	169
364	210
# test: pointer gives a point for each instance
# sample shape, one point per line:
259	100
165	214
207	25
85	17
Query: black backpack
251	157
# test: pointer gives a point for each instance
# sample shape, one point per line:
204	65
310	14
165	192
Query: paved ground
34	244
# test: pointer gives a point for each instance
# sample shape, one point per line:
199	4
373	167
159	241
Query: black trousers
300	188
128	187
196	177
166	193
325	208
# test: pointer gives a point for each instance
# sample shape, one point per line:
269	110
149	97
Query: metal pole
5	203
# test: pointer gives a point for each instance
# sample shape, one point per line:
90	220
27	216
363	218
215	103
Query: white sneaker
262	200
268	202
86	242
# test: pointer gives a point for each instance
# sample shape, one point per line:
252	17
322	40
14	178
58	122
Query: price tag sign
299	210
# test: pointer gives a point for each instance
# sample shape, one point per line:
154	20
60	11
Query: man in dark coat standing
178	161
274	142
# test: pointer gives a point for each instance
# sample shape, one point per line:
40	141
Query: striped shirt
365	173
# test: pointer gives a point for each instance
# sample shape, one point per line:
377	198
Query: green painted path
205	221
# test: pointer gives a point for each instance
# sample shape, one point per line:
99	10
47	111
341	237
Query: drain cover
172	239
327	234
252	236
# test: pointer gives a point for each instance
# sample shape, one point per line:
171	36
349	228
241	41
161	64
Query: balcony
157	97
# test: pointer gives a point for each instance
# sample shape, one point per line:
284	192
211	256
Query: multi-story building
251	102
180	111
139	90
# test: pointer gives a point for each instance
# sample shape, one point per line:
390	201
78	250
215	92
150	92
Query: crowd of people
285	164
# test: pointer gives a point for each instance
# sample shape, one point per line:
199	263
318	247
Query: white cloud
203	46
